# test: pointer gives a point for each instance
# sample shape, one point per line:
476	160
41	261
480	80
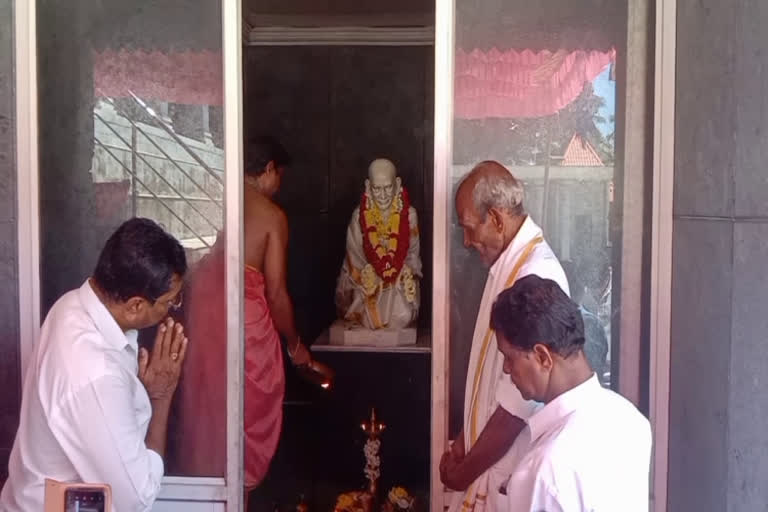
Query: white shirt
542	262
588	450
496	389
84	412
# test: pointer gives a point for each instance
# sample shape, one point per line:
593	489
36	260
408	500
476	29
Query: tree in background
525	142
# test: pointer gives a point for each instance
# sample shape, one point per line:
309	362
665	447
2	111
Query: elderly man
588	448
489	204
378	284
95	407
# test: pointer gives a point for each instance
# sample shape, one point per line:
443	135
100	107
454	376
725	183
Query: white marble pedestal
343	333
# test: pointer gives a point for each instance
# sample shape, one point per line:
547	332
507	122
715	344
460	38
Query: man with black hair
95	407
587	448
268	315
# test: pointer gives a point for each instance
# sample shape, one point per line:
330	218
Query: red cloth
489	83
520	84
201	430
188	77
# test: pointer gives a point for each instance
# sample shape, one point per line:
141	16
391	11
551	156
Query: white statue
378	287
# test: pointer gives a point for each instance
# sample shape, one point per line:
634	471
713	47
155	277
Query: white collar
550	414
527	232
105	322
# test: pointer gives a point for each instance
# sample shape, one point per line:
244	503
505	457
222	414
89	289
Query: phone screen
84	500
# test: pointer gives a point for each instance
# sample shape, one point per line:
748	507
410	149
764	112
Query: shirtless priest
269	315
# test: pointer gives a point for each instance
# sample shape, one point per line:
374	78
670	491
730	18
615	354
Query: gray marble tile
750	85
9	285
9	341
290	102
7	122
748	403
700	347
10	378
705	126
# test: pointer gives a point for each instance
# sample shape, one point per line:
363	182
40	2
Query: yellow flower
368	280
384	237
409	285
399	497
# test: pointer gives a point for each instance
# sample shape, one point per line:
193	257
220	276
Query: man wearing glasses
94	406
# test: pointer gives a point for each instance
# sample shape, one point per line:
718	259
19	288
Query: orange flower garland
386	242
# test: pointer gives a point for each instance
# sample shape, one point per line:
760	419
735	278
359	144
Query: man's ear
497	219
543	356
134	307
270	167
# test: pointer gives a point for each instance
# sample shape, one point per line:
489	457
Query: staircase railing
171	195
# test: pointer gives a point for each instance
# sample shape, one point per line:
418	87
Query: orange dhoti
200	433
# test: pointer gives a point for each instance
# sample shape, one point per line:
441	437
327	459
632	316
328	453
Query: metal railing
171	198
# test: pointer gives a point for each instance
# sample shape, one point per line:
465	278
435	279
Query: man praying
587	449
489	205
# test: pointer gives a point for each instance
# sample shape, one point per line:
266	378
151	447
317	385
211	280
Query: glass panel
367	102
536	91
336	108
131	125
10	367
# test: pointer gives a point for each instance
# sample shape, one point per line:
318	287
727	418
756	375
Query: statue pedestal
342	333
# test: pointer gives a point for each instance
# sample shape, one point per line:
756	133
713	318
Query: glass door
557	93
138	115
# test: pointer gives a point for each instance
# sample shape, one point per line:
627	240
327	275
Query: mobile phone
84	499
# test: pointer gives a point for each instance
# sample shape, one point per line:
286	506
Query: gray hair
502	191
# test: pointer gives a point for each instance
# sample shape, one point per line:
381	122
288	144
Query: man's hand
450	471
457	446
299	354
160	371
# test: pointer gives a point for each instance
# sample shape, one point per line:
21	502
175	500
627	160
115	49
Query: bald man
489	204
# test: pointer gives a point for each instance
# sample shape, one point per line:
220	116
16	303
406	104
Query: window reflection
535	89
132	125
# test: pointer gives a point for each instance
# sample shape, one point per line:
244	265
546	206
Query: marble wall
718	455
10	383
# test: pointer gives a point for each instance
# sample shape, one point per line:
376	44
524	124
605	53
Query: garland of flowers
372	460
386	242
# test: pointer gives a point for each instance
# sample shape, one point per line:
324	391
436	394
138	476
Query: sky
606	88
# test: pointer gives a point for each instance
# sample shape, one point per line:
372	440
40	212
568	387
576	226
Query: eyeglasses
175	303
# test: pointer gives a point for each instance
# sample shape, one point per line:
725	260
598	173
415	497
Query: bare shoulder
266	216
279	218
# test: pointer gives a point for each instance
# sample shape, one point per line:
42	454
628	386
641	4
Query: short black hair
139	260
536	310
261	150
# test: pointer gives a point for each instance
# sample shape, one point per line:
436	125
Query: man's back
71	378
36	453
264	220
589	452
